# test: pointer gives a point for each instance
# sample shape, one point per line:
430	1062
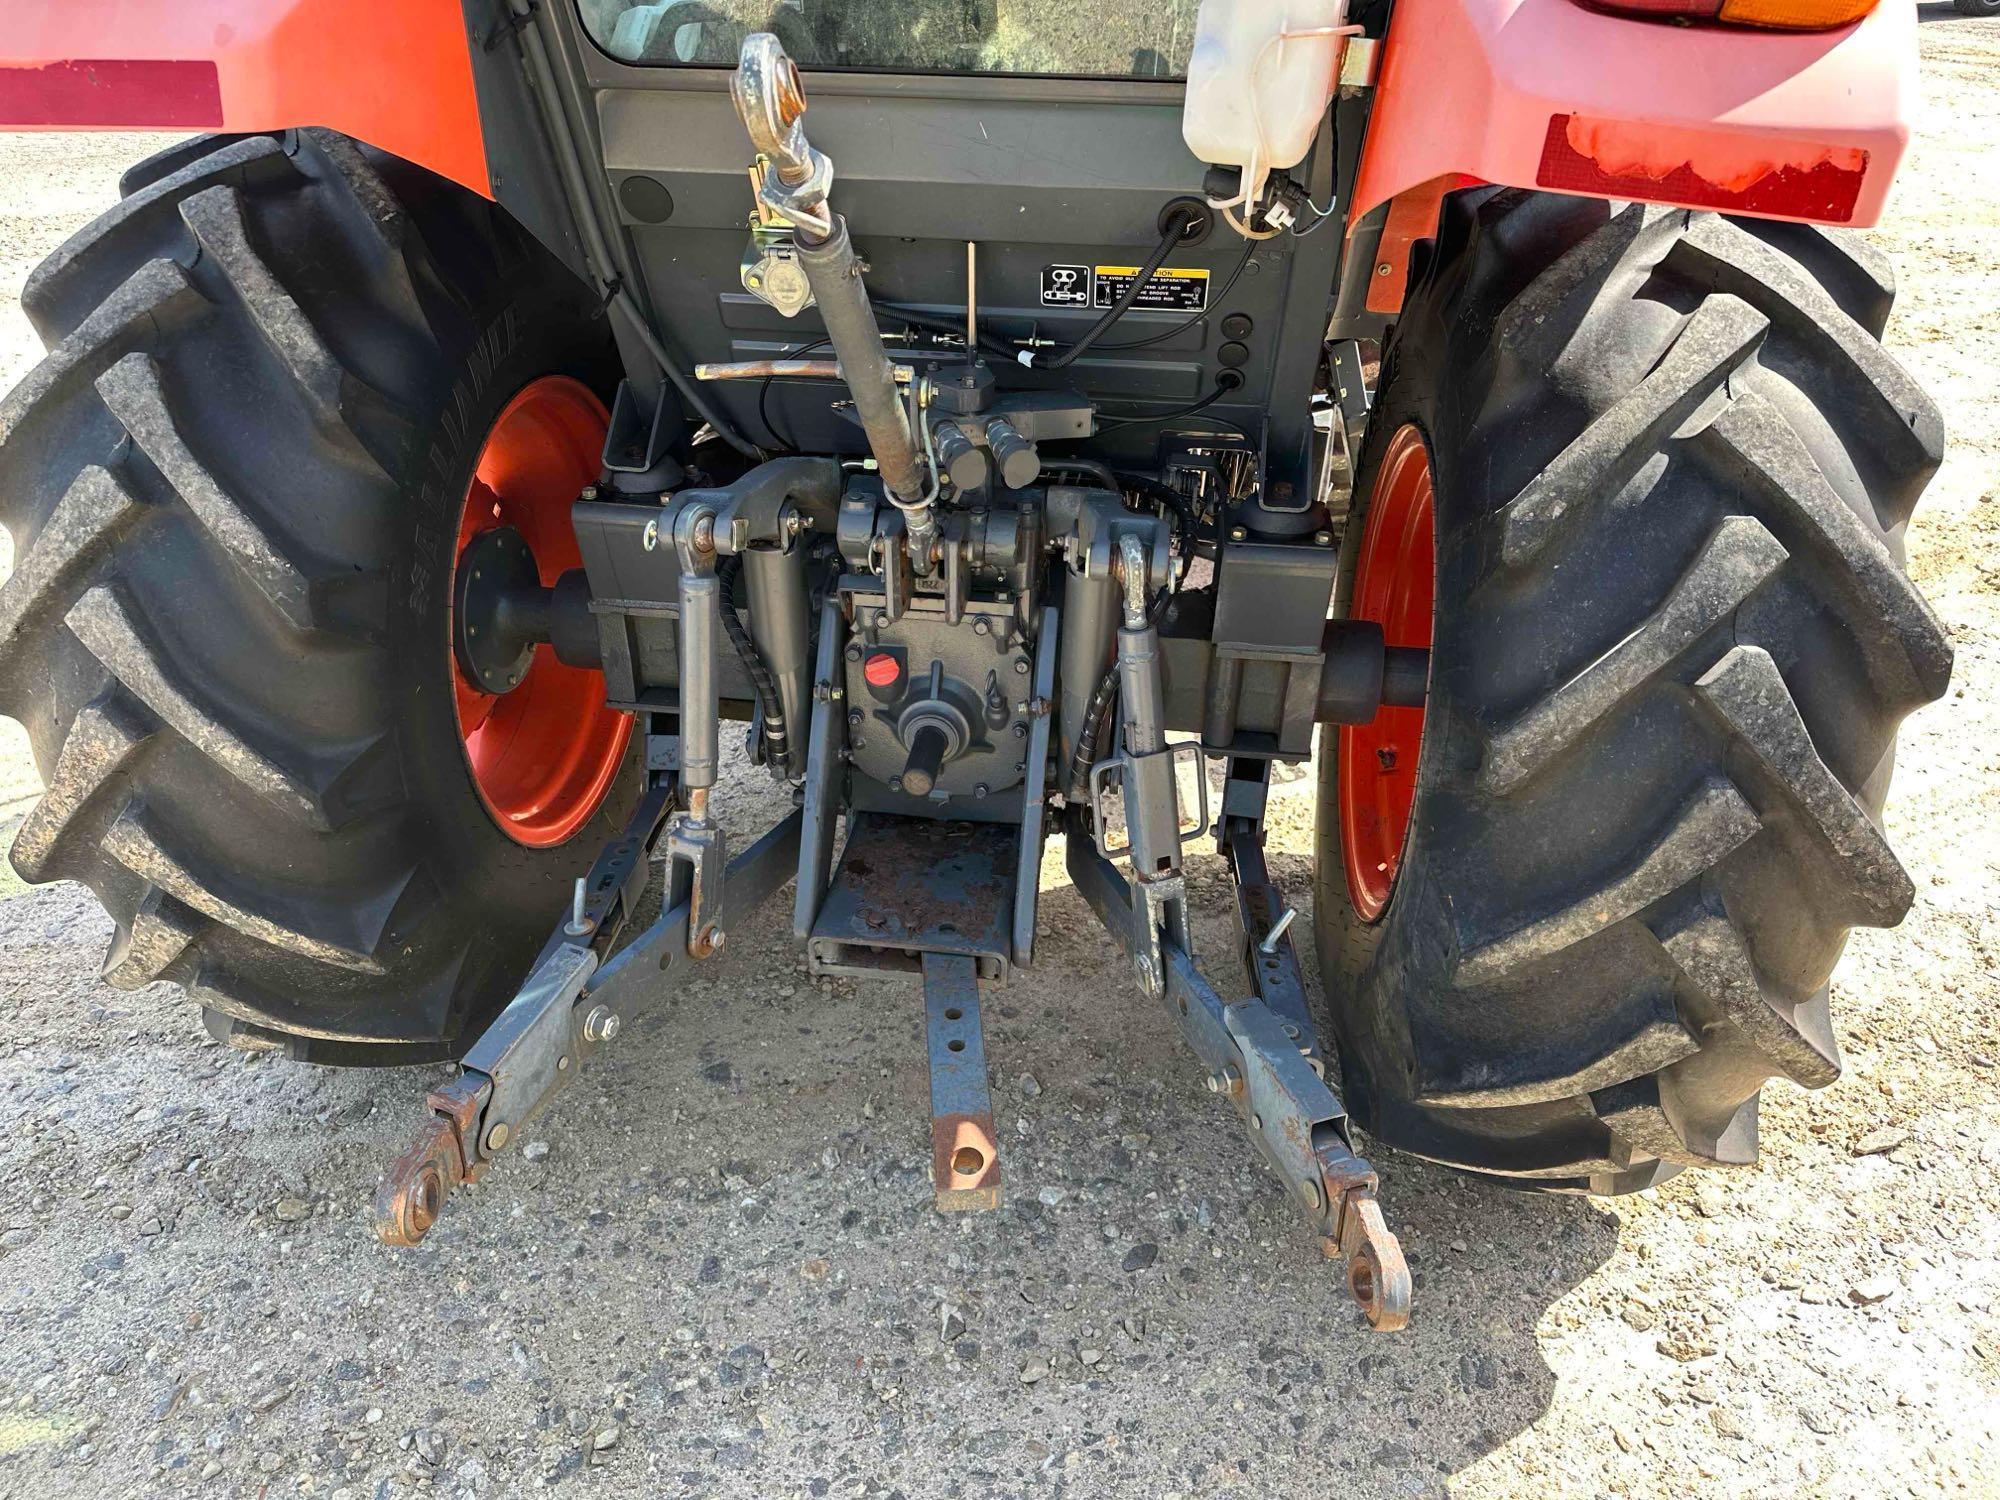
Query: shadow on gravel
722	1252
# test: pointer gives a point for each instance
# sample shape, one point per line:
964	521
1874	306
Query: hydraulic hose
777	738
1178	222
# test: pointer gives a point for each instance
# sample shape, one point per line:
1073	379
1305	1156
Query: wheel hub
498	586
541	744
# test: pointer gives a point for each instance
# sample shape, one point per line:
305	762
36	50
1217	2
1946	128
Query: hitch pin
1277	932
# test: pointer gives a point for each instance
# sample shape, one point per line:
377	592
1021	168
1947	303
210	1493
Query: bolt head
1237	533
650	537
498	1136
1323	538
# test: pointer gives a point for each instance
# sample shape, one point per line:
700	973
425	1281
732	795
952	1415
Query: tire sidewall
1351	947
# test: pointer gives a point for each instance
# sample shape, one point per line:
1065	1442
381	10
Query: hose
777	742
1084	756
1178	223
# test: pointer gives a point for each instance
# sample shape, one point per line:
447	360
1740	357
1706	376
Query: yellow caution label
1169	289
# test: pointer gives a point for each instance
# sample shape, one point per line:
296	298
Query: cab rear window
1041	38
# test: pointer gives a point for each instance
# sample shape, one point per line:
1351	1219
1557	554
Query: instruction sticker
1065	286
1169	289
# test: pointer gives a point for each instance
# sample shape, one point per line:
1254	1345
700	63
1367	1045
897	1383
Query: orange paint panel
1792	125
397	75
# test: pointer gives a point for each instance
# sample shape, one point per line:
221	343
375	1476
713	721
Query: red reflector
105	92
1704	10
882	670
1619	159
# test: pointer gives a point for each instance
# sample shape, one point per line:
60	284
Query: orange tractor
495	400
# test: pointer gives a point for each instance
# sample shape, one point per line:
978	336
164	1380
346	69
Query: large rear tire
1672	640
235	488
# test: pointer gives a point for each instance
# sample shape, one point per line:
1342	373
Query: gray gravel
715	1270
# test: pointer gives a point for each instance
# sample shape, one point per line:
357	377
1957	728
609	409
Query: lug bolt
601	1025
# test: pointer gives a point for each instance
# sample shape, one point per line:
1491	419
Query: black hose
1084	755
1192	408
1215	305
1178	222
777	743
952	327
1101	472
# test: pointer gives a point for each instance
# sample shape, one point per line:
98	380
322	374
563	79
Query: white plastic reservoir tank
1259	79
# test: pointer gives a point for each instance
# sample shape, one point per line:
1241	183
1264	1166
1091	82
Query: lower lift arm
1259	1051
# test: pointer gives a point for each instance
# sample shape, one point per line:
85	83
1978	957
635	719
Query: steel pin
1271	938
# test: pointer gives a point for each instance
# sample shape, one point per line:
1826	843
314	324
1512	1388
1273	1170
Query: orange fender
394	73
1546	94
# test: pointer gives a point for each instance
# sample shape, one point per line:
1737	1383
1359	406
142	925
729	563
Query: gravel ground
723	1276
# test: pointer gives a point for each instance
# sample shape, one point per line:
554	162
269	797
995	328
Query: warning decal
1169	289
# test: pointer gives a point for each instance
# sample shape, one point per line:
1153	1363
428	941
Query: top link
771	102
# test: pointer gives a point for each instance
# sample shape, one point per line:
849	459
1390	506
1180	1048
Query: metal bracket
697	853
1101	789
965	1152
1034	799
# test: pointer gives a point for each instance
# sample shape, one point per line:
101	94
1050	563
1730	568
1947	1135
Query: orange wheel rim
545	754
1395	585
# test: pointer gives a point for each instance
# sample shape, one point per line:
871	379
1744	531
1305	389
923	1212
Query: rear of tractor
429	462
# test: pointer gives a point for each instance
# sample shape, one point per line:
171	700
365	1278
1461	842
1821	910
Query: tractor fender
1545	94
396	75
